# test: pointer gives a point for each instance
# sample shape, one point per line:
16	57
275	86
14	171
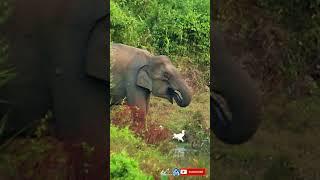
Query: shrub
149	158
4	10
197	131
6	73
124	167
175	28
125	28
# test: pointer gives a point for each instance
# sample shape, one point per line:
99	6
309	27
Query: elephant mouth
223	111
174	94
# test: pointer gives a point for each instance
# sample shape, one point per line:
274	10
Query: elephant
235	99
136	73
59	53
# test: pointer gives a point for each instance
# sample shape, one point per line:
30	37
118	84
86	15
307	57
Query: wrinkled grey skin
136	73
58	50
240	93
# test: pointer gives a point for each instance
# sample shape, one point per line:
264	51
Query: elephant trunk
180	92
241	95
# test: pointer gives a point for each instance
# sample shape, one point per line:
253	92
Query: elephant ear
96	59
143	79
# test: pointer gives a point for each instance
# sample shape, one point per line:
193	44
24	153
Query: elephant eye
166	75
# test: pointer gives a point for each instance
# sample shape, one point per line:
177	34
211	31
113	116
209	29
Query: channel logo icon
176	172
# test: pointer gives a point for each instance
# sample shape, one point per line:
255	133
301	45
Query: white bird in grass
179	136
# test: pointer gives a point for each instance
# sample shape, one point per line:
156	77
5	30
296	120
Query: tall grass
6	73
176	28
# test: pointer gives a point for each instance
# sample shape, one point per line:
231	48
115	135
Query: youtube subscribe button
192	171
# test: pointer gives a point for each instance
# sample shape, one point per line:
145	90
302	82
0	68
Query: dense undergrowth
176	28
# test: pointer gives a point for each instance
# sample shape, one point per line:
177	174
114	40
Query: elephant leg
80	110
147	103
139	97
79	103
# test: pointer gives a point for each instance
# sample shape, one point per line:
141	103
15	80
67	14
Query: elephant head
136	73
161	78
235	101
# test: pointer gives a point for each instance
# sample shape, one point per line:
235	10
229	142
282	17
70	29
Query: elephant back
122	55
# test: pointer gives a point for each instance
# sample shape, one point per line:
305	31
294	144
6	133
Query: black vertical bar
107	36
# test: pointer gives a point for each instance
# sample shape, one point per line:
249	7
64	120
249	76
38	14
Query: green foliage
6	73
4	10
149	158
127	138
125	28
175	28
196	131
124	167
